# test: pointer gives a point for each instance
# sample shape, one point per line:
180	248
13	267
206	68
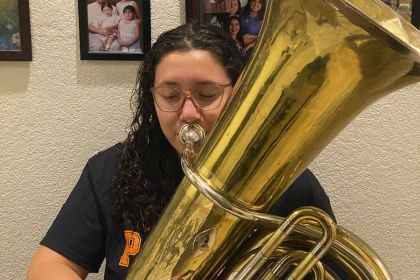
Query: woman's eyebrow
207	82
169	83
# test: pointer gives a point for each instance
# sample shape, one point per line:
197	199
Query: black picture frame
233	16
145	37
24	52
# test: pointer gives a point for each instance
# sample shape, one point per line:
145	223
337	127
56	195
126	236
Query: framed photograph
15	32
114	29
240	18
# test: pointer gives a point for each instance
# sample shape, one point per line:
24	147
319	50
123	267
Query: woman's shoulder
306	182
305	191
102	169
105	160
108	153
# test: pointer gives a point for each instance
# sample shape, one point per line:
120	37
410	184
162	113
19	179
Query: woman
234	31
123	190
222	20
235	7
251	18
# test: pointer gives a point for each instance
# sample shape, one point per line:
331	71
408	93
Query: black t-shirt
86	230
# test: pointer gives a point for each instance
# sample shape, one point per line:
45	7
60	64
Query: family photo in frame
240	18
243	18
15	35
114	29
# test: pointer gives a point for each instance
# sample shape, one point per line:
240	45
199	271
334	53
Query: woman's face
255	5
234	27
234	6
186	70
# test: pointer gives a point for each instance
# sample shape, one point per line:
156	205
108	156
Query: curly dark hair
247	9
149	167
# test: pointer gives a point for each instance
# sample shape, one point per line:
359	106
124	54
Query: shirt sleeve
78	231
92	15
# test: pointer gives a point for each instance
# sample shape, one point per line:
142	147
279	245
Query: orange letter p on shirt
132	246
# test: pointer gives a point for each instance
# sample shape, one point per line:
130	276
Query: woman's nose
190	113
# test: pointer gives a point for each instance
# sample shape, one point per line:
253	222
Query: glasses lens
208	97
168	98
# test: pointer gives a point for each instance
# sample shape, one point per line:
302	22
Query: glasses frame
188	95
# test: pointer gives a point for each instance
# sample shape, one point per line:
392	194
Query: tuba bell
316	65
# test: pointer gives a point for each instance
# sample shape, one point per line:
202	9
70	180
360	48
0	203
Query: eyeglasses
205	97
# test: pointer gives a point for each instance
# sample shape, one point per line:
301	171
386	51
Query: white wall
57	111
372	173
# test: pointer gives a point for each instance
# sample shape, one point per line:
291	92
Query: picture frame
15	31
242	19
127	38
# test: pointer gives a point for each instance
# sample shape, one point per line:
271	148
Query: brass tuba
317	64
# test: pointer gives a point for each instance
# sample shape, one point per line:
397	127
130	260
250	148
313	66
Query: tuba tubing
317	64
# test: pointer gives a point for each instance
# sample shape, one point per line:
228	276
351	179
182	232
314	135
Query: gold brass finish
287	261
317	64
286	227
194	134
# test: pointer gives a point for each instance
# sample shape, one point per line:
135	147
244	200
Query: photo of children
9	26
114	26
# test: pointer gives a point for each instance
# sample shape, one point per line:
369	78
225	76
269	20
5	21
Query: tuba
316	65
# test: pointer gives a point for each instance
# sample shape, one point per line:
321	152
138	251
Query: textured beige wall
57	111
372	174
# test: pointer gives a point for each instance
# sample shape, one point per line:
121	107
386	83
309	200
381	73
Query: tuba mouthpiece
192	133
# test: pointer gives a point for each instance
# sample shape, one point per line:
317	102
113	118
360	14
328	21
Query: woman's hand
249	39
